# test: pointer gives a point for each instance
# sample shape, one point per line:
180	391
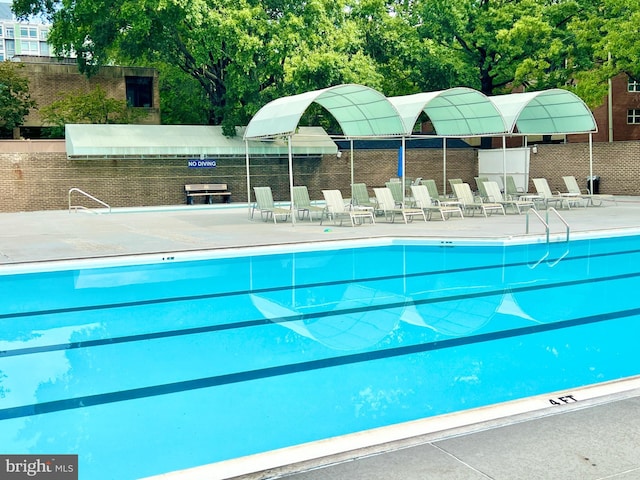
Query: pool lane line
298	317
258	374
206	296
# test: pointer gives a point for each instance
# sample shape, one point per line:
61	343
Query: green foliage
506	44
15	99
182	98
610	34
91	107
222	60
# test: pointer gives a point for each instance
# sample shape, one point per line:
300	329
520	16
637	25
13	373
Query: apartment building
20	38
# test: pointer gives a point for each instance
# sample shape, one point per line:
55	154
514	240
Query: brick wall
36	175
48	81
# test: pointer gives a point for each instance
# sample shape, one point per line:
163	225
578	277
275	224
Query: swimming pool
161	364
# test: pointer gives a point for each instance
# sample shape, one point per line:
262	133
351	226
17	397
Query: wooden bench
207	190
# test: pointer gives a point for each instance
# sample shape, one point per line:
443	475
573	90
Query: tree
183	100
505	44
15	99
611	31
90	107
406	61
237	50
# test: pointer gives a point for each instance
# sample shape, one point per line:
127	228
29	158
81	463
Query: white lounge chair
338	210
471	204
547	197
495	195
268	209
429	205
388	205
591	198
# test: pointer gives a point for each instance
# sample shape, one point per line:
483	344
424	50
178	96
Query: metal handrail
546	222
80	207
561	219
546	225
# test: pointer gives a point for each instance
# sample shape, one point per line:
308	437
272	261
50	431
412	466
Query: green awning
361	112
548	112
189	141
456	112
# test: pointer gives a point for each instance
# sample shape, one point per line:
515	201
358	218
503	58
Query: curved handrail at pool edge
77	207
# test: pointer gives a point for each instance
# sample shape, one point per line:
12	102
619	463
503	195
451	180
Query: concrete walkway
57	235
595	438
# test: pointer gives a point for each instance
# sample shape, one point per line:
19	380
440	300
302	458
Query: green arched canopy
456	112
548	112
361	112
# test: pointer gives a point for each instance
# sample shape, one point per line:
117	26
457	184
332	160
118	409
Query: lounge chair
480	184
574	189
454	181
337	210
425	202
268	209
360	196
546	197
512	190
389	207
495	195
302	203
471	204
433	189
396	192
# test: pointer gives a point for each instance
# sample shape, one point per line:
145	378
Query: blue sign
202	163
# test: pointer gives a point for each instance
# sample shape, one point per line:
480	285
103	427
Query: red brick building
618	118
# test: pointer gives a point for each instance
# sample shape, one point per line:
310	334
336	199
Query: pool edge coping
321	453
50	265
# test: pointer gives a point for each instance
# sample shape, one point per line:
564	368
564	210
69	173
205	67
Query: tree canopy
87	107
244	53
15	99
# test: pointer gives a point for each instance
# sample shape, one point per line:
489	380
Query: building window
139	91
28	32
633	116
44	49
10	48
28	47
9	32
633	85
44	33
0	31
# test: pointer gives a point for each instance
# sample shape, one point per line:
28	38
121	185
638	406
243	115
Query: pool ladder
545	222
80	207
547	228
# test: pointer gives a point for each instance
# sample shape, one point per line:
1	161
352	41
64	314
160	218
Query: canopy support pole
351	158
246	153
293	217
591	163
403	166
444	163
504	164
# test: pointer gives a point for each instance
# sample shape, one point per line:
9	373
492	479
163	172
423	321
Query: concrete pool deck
596	437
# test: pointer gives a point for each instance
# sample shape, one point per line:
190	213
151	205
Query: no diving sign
202	163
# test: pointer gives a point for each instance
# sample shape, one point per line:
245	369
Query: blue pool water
144	369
